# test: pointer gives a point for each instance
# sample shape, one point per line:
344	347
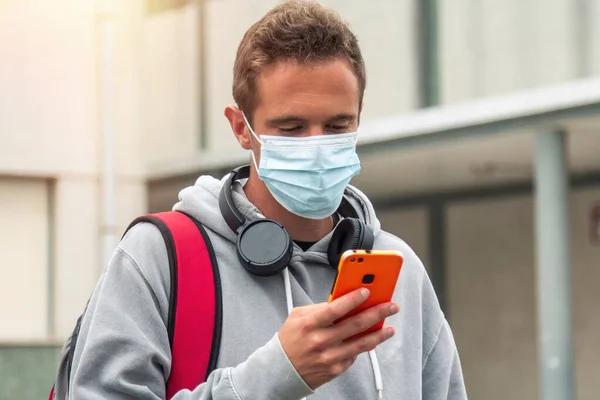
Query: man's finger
365	343
340	307
363	321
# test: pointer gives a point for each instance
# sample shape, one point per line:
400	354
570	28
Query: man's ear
238	126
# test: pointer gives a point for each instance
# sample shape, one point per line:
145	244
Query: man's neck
301	229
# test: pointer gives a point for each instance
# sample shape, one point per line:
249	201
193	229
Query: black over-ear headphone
265	248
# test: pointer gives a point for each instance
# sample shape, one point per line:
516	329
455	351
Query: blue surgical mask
307	175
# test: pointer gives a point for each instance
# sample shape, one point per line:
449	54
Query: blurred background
480	147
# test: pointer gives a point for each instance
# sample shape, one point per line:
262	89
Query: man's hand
316	346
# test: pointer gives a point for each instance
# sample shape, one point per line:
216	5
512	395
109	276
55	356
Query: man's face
306	99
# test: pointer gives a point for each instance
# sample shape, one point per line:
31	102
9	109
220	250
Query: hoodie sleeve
442	377
442	372
123	348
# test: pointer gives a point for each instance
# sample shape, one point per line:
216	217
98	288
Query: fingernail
364	293
394	308
390	332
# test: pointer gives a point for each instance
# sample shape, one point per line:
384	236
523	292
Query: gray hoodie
123	347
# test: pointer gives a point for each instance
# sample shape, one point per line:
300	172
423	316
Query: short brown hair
297	30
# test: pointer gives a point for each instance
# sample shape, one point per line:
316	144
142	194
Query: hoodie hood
201	201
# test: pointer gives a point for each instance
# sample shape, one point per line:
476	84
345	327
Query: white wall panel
386	33
24	267
78	262
169	86
48	85
490	47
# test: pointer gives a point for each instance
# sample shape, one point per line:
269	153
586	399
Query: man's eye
338	127
290	130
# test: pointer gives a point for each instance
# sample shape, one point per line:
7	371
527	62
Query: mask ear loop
250	129
356	138
255	137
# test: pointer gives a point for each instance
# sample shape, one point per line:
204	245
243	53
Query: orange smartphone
377	270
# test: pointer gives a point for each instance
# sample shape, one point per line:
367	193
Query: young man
299	80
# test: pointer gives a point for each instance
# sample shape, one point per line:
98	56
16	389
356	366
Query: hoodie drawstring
372	355
377	374
288	291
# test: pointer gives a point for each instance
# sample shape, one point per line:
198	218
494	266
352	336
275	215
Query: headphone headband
233	217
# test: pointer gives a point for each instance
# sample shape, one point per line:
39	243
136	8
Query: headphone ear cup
348	235
368	240
264	247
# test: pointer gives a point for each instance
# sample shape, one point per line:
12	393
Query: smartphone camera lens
352	259
368	279
360	259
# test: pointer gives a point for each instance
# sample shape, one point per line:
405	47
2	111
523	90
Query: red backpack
194	322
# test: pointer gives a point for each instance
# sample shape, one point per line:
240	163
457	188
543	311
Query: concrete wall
490	47
50	128
491	296
24	248
411	225
491	290
48	78
169	84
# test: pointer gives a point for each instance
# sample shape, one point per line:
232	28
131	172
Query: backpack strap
195	303
195	306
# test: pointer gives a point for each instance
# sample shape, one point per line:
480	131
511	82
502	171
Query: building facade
108	109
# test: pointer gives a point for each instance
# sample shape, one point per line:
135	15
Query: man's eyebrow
342	117
286	119
290	119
